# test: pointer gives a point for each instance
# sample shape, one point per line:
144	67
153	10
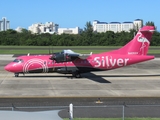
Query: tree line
86	38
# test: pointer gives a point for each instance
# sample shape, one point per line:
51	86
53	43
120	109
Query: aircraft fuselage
96	62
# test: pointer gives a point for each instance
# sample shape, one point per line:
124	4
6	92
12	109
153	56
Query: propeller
53	56
66	56
50	50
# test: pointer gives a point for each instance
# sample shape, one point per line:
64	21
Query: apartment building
116	26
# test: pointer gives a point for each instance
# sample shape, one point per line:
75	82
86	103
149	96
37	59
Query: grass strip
79	49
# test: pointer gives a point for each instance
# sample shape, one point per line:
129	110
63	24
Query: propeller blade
52	50
49	50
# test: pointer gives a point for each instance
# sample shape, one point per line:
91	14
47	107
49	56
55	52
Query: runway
137	87
139	80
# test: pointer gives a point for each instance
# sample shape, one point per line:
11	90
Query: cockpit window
62	52
18	60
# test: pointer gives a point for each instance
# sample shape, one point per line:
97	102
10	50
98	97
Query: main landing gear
76	74
16	74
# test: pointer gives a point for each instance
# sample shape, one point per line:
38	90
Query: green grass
154	51
67	47
1	46
113	119
45	49
60	47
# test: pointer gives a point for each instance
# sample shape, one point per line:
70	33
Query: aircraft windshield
67	51
18	60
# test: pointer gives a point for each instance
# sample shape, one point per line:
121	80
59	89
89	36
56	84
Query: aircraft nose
7	68
13	67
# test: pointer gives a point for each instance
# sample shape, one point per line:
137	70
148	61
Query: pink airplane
69	62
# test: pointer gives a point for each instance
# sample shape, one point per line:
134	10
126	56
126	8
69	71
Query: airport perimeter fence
98	111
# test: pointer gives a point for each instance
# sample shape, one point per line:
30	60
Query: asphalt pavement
100	94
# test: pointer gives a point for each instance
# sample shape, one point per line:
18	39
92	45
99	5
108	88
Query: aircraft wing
68	55
72	54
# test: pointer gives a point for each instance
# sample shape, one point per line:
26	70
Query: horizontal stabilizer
147	28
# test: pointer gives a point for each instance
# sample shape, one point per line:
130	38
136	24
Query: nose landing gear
16	74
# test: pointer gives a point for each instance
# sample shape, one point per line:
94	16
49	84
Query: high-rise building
4	24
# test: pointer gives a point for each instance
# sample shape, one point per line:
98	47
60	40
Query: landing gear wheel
76	75
16	74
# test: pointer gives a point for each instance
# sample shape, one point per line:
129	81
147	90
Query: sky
75	13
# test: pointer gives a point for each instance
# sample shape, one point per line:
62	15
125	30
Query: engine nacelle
59	57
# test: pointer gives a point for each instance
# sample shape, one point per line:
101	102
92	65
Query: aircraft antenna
52	50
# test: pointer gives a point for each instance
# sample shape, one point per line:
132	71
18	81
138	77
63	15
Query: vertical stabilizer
139	45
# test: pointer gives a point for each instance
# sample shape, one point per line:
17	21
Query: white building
4	24
114	26
138	23
117	26
48	27
19	29
127	26
76	30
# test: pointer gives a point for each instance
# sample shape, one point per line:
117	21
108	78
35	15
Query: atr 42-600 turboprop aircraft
69	62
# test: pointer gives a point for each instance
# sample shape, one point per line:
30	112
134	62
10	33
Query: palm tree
151	23
88	27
